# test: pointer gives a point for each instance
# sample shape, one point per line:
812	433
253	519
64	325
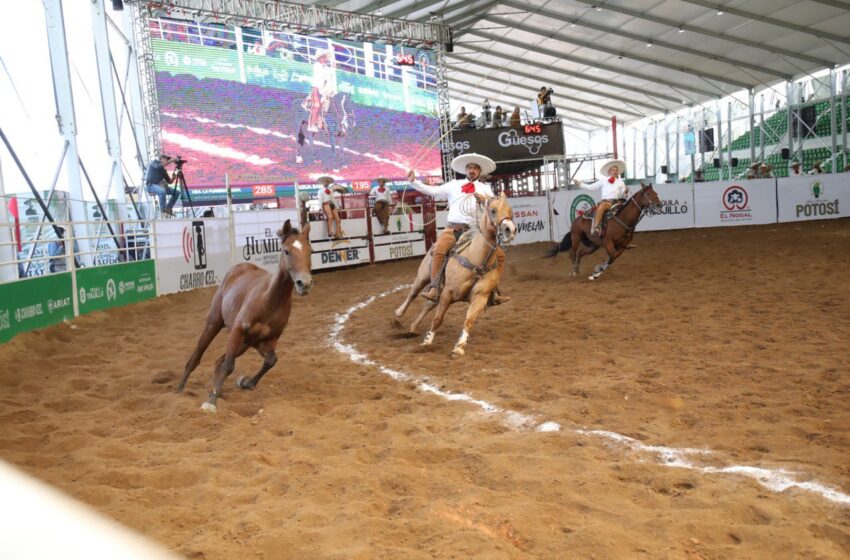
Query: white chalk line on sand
776	480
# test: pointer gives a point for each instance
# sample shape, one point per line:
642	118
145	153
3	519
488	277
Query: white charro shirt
328	194
457	199
386	196
610	191
324	79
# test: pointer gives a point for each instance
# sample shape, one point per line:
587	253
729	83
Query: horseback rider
613	190
458	194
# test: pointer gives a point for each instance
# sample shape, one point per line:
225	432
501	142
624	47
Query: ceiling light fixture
649	44
598	8
720	12
681	30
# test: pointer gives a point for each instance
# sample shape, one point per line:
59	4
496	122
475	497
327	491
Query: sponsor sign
34	303
509	144
102	287
400	250
257	241
730	203
531	216
567	205
344	252
191	254
814	197
677	208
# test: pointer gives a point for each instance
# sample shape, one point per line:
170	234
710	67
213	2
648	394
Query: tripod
180	181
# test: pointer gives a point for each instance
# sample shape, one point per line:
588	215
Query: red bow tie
468	188
327	191
381	189
611	180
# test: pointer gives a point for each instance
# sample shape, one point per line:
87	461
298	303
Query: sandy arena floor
730	340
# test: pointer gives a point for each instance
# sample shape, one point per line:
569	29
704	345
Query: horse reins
631	229
483	268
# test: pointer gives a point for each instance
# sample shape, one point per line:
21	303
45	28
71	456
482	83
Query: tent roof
629	58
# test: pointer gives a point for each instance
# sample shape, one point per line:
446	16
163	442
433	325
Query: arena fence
112	261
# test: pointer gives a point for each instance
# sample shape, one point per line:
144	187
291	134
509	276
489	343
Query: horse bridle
482	269
642	209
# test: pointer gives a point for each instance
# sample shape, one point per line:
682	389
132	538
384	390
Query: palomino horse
618	234
254	306
464	279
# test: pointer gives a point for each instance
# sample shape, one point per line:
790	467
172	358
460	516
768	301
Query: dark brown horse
618	234
254	306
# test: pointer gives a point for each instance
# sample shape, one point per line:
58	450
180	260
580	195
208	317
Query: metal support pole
65	116
752	126
634	153
832	120
654	151
107	100
844	148
719	137
729	144
789	101
645	156
678	149
667	145
762	131
614	133
8	249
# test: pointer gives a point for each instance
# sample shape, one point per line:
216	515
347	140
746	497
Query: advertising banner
400	249
191	253
814	197
342	252
256	236
102	287
567	205
677	208
735	203
34	303
530	142
531	216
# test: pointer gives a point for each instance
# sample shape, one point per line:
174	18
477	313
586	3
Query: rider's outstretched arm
436	192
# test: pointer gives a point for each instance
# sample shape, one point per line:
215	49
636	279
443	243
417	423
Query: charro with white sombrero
613	189
330	204
383	202
457	193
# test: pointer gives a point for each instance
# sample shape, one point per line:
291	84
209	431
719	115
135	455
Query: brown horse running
618	234
473	275
254	306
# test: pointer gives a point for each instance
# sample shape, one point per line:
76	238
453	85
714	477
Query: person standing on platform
330	205
383	203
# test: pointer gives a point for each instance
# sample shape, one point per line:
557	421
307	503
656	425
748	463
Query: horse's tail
565	245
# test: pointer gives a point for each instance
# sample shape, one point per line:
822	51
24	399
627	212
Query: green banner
103	287
35	303
215	62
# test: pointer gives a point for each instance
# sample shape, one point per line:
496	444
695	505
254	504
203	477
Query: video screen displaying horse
270	107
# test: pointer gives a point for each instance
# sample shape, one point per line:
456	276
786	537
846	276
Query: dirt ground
733	340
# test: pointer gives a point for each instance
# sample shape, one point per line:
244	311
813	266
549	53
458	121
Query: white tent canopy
629	58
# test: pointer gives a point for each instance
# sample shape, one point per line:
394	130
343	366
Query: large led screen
281	108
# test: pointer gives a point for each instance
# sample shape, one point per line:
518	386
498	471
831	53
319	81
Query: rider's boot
437	261
496	298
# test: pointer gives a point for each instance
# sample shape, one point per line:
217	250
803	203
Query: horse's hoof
209	407
244	383
458	352
396	323
591	277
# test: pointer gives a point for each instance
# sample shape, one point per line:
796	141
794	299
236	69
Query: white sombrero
323	178
319	53
621	165
487	165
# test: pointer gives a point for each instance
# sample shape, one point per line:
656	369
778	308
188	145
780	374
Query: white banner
566	205
343	252
735	203
191	253
677	208
256	236
814	197
399	250
353	227
531	216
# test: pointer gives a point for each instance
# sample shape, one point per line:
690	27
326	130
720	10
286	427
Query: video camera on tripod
178	161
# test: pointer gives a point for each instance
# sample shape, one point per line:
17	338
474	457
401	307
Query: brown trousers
445	241
382	212
600	213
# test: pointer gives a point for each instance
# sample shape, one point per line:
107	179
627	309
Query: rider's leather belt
457	227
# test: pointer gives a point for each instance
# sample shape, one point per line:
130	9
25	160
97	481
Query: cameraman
156	182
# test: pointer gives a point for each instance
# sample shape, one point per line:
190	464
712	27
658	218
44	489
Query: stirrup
427	294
